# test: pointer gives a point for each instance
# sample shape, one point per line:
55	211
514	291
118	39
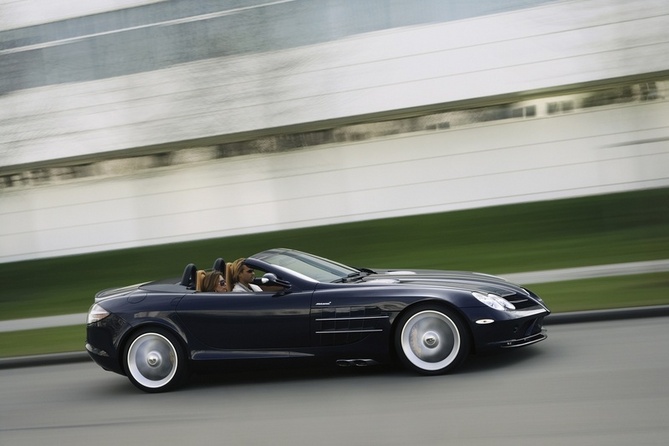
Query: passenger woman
214	282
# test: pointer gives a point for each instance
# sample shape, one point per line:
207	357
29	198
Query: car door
247	321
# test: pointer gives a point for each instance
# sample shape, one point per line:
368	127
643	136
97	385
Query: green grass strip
43	341
606	292
594	230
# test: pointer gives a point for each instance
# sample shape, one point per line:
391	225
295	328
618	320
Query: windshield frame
307	266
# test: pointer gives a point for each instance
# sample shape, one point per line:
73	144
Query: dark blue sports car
155	333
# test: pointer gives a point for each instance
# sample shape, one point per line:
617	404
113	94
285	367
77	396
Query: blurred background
511	136
127	124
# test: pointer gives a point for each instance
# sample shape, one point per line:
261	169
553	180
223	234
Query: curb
607	315
552	319
39	360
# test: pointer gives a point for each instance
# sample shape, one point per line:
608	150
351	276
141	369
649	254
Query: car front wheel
431	340
155	361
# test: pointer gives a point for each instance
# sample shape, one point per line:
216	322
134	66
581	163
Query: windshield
311	266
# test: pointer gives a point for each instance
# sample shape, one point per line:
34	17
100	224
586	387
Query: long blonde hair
233	271
211	279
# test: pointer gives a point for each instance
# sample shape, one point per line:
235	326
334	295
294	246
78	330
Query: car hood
466	280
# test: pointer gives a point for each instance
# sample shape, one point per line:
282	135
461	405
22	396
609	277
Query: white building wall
22	13
546	47
372	75
603	150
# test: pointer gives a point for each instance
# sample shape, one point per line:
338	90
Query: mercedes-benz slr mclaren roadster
155	333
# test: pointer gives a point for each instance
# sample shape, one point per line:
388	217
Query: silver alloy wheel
152	360
430	340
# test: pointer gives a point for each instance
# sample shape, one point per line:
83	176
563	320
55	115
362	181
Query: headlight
96	313
494	301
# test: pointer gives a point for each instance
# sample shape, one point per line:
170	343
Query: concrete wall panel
550	46
607	150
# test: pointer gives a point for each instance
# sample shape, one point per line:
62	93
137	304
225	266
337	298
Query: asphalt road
596	383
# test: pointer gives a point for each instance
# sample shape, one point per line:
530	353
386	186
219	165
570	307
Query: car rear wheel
431	340
154	360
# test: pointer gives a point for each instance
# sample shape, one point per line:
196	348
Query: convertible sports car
310	308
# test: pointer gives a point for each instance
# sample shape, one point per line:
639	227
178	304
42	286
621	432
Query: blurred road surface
600	383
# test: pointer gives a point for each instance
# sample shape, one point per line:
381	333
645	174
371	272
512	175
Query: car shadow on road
249	375
244	375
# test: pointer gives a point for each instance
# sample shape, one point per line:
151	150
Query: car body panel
247	321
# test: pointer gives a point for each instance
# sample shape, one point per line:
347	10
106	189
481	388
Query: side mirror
270	279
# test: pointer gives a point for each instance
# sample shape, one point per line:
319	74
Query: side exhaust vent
355	362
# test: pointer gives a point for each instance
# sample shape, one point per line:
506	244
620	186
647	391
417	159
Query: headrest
188	277
219	265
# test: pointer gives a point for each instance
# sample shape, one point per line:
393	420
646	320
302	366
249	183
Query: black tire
431	340
154	360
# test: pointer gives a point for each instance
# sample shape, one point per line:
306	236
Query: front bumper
522	342
511	329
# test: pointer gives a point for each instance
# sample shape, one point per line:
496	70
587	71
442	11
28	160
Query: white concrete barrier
547	47
604	150
364	77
